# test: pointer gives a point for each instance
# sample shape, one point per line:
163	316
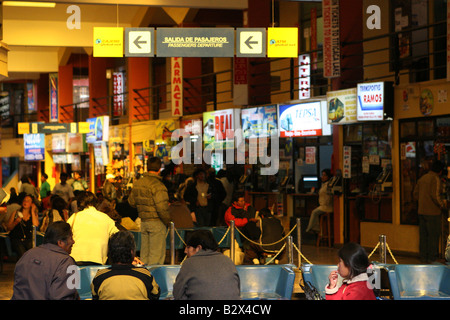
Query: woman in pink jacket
352	267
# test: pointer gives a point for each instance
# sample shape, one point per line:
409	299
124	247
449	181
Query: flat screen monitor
306	183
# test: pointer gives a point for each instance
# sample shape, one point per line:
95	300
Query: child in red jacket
352	266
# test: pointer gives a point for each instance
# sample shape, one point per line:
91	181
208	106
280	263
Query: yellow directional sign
282	42
108	42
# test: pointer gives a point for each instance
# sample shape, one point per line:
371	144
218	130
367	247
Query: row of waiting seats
403	281
271	282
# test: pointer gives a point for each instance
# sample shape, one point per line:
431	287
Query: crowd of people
82	228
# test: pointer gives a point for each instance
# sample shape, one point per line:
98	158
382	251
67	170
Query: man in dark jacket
149	195
48	272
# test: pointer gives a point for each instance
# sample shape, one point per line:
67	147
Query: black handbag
311	292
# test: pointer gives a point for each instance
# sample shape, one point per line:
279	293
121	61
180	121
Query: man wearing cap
109	190
149	195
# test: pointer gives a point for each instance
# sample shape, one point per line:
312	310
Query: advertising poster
98	129
108	42
341	106
370	101
34	145
218	128
300	120
259	121
282	42
59	142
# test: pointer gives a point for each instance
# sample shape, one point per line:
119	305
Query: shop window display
421	142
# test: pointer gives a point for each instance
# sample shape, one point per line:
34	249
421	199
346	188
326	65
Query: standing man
45	272
63	189
428	191
149	195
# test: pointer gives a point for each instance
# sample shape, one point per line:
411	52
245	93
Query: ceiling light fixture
29	4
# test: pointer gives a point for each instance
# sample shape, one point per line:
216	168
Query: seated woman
352	267
206	274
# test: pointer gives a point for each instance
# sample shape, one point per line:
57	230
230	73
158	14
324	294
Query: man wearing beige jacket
428	191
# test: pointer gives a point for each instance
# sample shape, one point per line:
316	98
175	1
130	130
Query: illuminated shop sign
219	127
341	106
259	121
303	120
374	101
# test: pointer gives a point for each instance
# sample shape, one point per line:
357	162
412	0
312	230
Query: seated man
206	274
243	215
42	273
123	280
272	231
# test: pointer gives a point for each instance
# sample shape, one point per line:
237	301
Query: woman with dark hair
206	274
352	267
91	231
20	225
57	212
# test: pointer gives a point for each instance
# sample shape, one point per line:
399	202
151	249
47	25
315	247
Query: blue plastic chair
420	282
272	282
266	282
87	274
317	275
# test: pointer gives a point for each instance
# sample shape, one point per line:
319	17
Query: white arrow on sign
251	42
139	42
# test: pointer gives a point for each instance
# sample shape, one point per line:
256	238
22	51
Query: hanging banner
118	85
304	72
331	39
347	172
177	86
54	107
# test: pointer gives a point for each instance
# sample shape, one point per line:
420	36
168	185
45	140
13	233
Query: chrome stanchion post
290	249
232	248
382	240
299	241
34	236
172	243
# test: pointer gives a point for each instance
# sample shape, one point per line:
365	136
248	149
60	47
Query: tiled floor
313	254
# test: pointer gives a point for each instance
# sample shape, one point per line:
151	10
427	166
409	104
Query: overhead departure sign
195	42
139	42
251	42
